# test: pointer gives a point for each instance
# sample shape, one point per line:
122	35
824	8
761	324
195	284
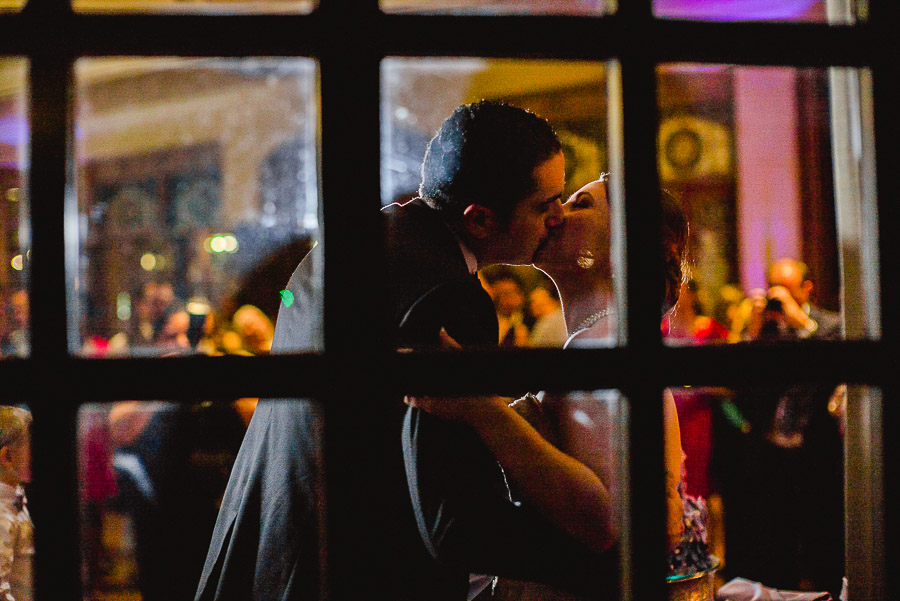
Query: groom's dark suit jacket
266	541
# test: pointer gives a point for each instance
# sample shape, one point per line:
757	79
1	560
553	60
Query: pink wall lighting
768	198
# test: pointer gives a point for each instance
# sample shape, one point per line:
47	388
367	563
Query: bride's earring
585	259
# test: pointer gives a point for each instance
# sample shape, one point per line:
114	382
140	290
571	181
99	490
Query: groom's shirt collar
468	255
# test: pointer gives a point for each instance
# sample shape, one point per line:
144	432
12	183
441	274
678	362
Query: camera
773	319
774	305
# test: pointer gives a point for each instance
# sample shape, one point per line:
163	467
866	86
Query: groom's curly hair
485	153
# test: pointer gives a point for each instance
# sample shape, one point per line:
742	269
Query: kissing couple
478	489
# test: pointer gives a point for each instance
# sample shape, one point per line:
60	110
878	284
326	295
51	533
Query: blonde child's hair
14	424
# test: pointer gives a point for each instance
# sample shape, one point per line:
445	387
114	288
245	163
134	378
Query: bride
578	261
558	452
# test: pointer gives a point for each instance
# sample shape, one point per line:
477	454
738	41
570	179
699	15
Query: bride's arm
563	489
674	462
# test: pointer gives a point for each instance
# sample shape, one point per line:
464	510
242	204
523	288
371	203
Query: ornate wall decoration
692	147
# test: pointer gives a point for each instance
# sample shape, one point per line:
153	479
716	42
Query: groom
492	182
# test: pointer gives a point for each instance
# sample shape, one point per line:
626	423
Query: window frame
349	38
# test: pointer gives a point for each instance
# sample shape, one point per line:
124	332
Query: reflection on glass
15	234
418	95
197	189
817	11
766	164
221	7
152	478
17	533
500	7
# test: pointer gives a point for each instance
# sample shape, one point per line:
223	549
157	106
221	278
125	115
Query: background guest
17	341
254	331
508	295
688	323
549	329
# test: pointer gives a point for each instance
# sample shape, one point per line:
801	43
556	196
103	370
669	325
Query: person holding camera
784	310
782	474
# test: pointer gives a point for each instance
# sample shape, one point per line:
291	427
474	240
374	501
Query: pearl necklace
592	319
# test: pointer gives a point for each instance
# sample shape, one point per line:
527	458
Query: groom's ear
479	221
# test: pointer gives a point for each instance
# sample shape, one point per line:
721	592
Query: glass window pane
860	409
15	234
591	429
772	167
153	477
770	463
17	534
501	7
198	195
226	7
497	521
419	97
693	500
816	11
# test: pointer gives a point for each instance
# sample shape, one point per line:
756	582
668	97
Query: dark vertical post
884	17
54	500
358	441
647	485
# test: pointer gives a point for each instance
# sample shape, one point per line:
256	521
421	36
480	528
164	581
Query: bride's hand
460	409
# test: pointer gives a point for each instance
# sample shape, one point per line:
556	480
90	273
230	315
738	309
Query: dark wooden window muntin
349	38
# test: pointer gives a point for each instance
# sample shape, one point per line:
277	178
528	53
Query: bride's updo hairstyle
485	153
674	238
